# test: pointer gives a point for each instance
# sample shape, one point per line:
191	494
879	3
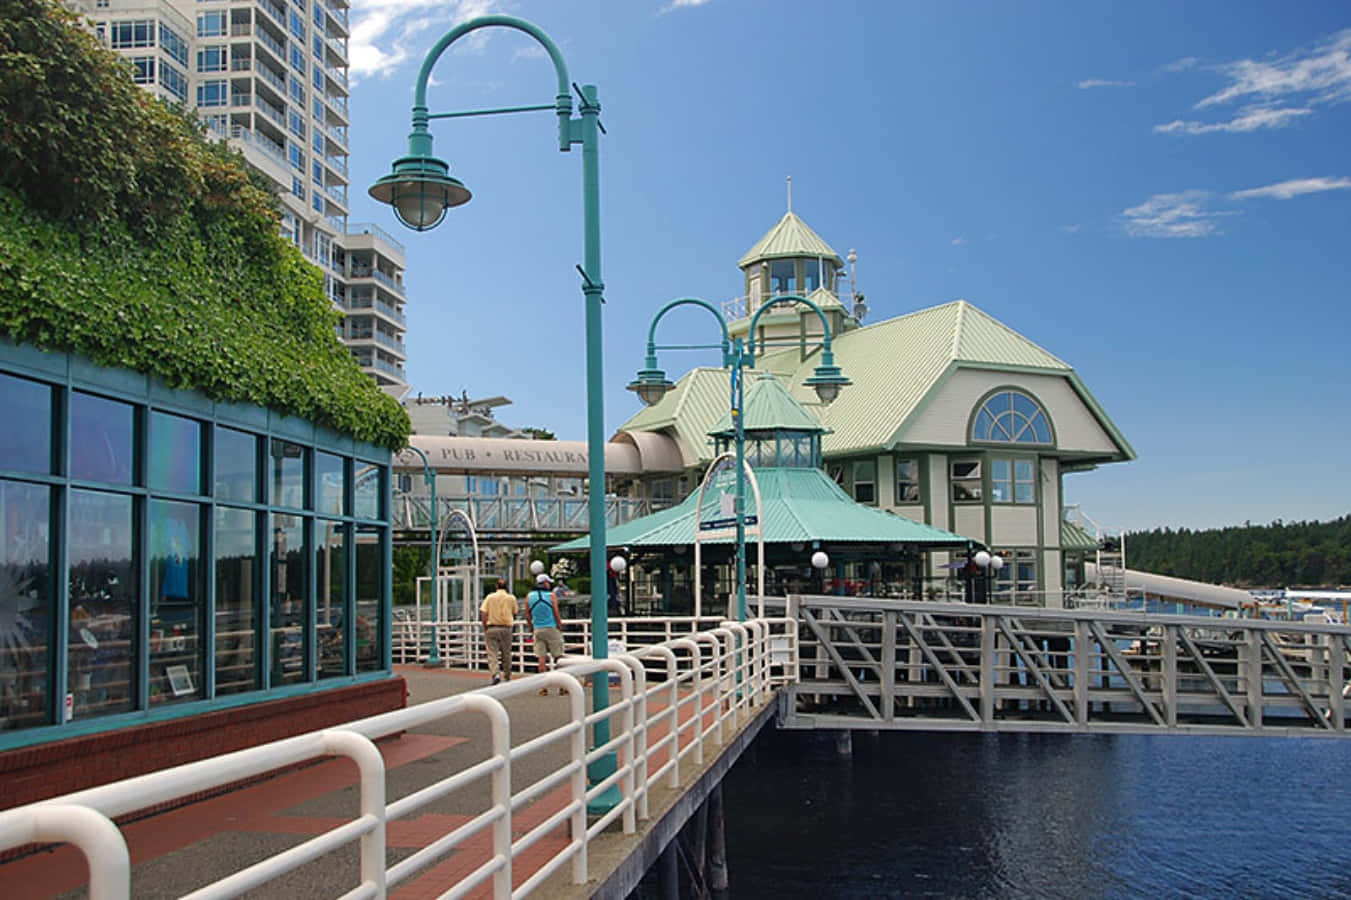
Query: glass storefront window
289	607
101	653
101	439
236	465
26	439
174	454
369	487
177	602
25	604
330	568
332	482
288	474
370	559
236	586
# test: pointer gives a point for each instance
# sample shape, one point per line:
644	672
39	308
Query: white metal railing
520	513
677	699
373	229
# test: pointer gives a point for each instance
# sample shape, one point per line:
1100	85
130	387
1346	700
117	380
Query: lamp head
820	560
650	386
827	381
982	559
996	562
421	189
537	567
618	564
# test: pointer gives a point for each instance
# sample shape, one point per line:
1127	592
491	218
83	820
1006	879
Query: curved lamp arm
687	301
827	378
420	140
827	356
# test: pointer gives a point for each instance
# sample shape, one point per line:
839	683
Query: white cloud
1088	83
384	31
1251	118
1180	65
680	4
1322	73
1277	91
1071	229
530	51
1285	190
959	241
1181	215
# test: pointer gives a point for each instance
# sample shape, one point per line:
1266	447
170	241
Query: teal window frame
64	374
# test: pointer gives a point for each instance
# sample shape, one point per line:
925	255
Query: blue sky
1157	193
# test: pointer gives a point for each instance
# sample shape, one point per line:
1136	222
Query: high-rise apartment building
270	76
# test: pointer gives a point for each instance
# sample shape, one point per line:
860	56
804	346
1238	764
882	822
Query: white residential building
271	77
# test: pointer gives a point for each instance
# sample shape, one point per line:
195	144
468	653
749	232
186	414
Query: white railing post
94	834
371	767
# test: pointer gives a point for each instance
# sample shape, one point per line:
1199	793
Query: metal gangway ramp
913	665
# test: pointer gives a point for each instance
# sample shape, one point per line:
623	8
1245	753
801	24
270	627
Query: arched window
1011	417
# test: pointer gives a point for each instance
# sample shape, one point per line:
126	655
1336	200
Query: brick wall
39	772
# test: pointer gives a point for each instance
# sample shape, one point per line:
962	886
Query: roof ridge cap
957	325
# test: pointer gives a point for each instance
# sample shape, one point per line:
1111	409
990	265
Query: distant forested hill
1297	554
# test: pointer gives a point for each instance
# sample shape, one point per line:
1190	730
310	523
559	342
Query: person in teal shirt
541	611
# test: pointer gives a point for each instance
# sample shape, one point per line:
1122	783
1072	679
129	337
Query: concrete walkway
176	852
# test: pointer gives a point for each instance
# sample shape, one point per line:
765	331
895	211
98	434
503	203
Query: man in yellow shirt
497	613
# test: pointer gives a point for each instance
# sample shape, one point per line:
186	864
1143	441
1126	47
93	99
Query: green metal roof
799	505
1072	537
790	238
894	366
768	407
695	403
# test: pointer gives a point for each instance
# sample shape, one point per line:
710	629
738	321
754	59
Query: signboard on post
718	524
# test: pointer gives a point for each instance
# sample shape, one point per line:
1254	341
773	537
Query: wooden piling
717	843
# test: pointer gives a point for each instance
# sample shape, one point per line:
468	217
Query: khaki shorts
548	641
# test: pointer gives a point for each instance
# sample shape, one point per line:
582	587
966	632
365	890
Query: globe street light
421	189
651	384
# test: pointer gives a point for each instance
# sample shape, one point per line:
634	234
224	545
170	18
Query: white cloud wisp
1089	83
1275	92
1295	187
384	31
1180	215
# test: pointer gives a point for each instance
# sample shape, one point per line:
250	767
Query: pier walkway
474	790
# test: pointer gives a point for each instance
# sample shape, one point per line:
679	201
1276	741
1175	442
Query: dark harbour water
970	815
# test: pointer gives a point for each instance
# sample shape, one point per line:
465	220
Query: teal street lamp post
421	189
433	535
651	384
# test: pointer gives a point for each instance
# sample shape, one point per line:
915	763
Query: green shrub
129	238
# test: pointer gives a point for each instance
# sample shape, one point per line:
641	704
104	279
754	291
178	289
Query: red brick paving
258	809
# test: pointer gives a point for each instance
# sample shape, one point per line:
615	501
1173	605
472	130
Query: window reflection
236	465
331	571
25	603
174	454
368	487
26	439
177	602
288	474
332	498
100	655
369	595
288	606
101	433
236	583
